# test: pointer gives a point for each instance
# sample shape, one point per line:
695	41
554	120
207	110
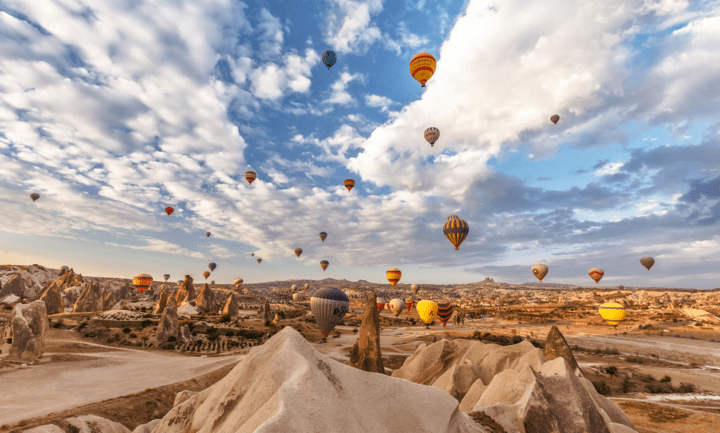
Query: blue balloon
329	58
212	266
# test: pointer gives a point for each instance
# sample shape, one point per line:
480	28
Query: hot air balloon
445	310
297	297
349	184
293	288
142	282
64	268
414	289
252	254
169	210
212	282
456	230
238	281
427	310
539	271
431	135
259	260
612	313
206	274
298	251
324	264
323	235
393	275
250	176
34	196
380	303
207	234
554	118
422	67
397	306
307	286
647	262
180	281
329	58
212	266
328	306
166	276
409	302
596	274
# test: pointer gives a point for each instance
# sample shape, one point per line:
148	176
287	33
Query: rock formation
186	292
184	335
25	331
557	347
268	392
112	297
90	300
53	299
231	307
276	320
162	301
264	313
365	353
168	325
183	395
206	301
147	427
15	286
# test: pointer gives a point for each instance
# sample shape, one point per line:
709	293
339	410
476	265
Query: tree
612	370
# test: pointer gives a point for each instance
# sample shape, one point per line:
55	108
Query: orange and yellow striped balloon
349	184
142	282
456	230
393	275
422	67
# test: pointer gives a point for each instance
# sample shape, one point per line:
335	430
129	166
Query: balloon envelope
456	230
293	288
298	251
324	264
414	289
397	306
554	118
409	302
34	196
647	262
323	235
212	266
307	286
431	135
207	234
380	303
250	176
422	67
539	271
612	313
596	274
259	260
169	210
349	184
427	310
212	282
142	282
297	297
329	58
393	275
328	306
166	276
206	274
238	281
445	310
64	268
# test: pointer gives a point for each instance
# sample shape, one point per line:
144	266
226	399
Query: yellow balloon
427	310
422	67
612	312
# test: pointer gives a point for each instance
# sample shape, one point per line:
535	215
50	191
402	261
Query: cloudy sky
113	110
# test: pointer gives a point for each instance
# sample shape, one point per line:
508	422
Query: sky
113	110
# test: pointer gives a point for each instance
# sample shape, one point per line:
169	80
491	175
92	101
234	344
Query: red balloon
169	210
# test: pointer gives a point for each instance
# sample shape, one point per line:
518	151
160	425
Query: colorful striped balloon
380	303
409	302
324	264
250	176
431	135
456	230
393	275
142	282
596	274
422	67
349	184
445	310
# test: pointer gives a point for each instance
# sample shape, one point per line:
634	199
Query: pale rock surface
231	307
206	302
553	399
11	299
184	335
26	328
186	310
112	296
162	301
365	353
276	320
458	379
53	299
168	325
47	428
90	300
472	396
285	385
264	313
183	395
96	424
186	292
147	427
557	347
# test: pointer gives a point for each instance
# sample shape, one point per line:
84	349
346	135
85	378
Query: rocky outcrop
168	325
365	353
25	331
90	300
15	286
53	299
162	301
112	297
96	424
268	392
184	335
206	302
557	347
147	427
186	292
231	307
264	313
183	395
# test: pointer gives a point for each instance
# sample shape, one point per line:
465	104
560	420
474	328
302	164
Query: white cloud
272	81
338	90
407	39
610	168
350	28
271	38
379	101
